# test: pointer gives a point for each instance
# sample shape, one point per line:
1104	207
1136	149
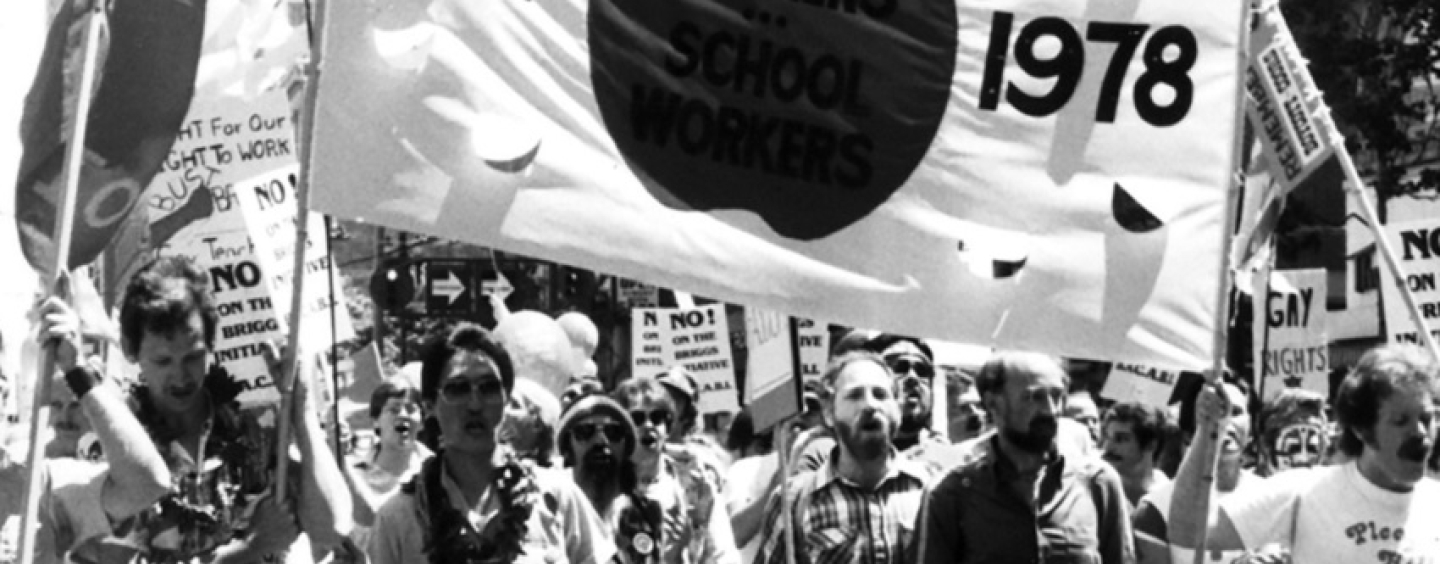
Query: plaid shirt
841	523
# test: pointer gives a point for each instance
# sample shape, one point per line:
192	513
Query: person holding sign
220	507
82	500
1376	507
476	500
1019	495
860	506
696	525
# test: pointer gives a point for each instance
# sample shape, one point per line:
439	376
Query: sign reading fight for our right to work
1000	172
696	338
1418	245
1296	340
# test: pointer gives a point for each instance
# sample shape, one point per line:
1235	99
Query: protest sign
1281	99
996	174
814	347
236	153
698	339
1419	254
633	293
770	381
1144	384
1297	343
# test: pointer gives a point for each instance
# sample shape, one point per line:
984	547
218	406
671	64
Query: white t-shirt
1158	532
1333	514
749	480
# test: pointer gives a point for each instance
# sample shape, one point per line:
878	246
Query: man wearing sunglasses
696	527
596	440
476	500
913	365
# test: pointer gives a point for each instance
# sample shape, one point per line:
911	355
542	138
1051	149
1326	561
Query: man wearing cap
696	526
597	440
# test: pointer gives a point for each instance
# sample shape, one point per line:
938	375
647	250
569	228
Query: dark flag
146	67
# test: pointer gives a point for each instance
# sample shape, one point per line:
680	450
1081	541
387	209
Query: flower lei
452	540
202	514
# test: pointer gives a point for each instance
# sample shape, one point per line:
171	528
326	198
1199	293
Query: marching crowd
480	464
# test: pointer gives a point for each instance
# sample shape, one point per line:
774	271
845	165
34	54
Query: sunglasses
463	389
903	366
585	431
657	417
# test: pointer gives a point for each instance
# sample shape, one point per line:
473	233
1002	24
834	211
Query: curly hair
1146	422
1381	372
160	299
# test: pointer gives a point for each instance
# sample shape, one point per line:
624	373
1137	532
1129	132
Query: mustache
1414	450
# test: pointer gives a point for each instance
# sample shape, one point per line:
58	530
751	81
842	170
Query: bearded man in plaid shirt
861	506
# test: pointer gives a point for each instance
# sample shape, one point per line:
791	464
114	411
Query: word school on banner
1419	250
1297	343
999	173
699	340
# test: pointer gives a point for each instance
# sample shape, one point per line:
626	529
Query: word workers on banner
1419	249
1281	102
699	340
1003	173
770	368
1144	384
814	348
1297	347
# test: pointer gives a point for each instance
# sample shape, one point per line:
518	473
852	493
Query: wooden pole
1222	292
64	217
294	366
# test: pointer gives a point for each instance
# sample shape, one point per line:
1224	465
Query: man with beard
1377	506
597	440
1018	497
475	500
861	505
696	528
396	457
1152	545
1130	440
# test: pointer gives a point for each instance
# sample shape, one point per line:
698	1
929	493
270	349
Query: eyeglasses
585	431
902	366
657	417
461	389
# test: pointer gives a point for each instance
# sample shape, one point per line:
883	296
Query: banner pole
1222	291
64	217
1356	187
293	364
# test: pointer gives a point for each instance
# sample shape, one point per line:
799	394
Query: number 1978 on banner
1066	67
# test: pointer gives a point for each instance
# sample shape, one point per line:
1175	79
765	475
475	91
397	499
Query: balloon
539	349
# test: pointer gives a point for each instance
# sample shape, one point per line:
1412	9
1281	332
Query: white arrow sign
450	287
500	287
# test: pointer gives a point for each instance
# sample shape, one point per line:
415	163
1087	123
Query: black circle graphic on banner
809	113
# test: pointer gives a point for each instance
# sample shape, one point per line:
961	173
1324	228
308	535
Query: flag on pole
148	58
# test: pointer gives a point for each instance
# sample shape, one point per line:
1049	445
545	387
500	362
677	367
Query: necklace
452	539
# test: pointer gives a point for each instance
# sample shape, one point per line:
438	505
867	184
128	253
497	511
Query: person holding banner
696	525
476	500
861	505
1020	496
82	500
1378	506
221	507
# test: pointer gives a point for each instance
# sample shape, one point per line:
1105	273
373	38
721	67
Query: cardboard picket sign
999	173
1282	102
1137	383
1418	245
771	392
1296	342
698	339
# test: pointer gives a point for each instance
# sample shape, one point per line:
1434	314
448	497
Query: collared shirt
695	523
974	514
563	528
839	522
814	450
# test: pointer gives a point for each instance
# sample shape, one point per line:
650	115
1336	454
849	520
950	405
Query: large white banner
1030	173
1418	245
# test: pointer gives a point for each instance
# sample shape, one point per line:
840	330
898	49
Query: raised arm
1191	500
324	501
